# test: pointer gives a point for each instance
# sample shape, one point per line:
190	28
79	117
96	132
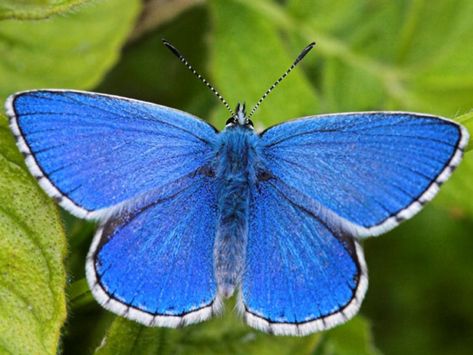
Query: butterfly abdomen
235	171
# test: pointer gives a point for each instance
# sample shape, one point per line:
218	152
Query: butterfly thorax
237	157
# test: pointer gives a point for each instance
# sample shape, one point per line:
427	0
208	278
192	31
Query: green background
370	55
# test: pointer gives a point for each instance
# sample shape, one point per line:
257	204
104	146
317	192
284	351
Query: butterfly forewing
92	151
372	169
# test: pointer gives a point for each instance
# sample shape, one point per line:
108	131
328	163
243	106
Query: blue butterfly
190	216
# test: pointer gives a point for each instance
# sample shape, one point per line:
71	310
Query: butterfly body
237	162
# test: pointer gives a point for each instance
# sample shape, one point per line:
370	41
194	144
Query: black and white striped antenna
200	77
276	83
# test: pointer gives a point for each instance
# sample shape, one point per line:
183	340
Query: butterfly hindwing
372	169
154	264
92	151
302	273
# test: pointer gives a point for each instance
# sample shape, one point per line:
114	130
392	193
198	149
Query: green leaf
32	249
71	51
248	55
222	335
229	335
410	55
352	338
35	9
174	86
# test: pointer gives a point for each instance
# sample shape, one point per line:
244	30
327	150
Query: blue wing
372	169
154	264
92	151
303	274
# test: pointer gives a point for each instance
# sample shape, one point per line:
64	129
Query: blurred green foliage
370	55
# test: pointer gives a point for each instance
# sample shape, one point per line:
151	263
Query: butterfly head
239	118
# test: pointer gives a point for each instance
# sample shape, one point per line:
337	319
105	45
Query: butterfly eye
264	175
250	123
207	171
230	121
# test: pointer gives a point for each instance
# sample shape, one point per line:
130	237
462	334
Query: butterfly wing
372	169
303	274
92	151
154	263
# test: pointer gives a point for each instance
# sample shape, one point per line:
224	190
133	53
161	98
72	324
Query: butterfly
190	216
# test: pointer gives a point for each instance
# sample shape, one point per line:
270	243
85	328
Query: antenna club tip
308	48
171	47
167	43
304	52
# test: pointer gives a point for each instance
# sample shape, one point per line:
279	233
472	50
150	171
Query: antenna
186	63
298	59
